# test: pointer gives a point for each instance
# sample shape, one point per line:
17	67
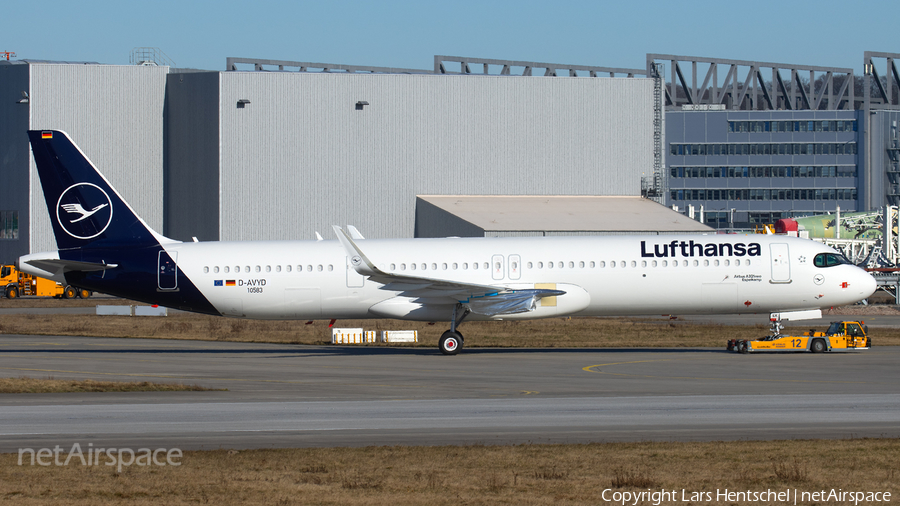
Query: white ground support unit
350	336
399	336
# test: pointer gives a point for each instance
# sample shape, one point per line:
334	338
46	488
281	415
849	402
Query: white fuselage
608	275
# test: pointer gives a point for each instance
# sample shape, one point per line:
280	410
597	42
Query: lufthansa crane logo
84	211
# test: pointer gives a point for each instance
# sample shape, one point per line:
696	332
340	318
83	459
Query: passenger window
205	270
258	268
226	269
216	269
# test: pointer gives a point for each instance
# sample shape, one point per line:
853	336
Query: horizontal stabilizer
44	265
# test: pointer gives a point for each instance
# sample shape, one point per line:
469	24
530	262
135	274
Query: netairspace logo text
787	496
118	457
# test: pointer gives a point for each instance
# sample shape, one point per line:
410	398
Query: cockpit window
830	260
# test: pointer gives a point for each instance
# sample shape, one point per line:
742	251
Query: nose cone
867	284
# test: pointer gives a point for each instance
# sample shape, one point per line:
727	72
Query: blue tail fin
84	208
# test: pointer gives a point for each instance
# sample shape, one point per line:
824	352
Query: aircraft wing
488	300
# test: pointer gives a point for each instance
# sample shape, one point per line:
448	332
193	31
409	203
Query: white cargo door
515	267
781	263
497	270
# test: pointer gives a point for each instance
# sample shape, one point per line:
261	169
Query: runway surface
291	396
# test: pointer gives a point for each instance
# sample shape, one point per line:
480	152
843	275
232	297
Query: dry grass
554	332
25	385
52	302
524	474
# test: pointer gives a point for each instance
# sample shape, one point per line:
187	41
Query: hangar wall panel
300	156
15	156
192	156
115	115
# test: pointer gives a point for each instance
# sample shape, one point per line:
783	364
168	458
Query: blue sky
201	34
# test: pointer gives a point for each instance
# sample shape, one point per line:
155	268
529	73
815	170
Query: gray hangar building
115	115
255	155
285	153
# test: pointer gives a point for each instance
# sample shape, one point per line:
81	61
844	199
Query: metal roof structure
745	87
565	214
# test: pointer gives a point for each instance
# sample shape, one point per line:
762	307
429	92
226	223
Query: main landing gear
452	341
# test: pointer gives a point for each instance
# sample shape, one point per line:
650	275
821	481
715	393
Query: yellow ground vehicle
15	284
840	336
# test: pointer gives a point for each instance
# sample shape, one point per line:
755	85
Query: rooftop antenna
8	54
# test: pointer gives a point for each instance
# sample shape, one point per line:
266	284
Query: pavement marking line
591	368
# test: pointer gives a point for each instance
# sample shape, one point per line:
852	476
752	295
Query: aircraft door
781	263
354	279
167	275
497	270
515	267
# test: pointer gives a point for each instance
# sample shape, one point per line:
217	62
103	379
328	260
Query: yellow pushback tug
840	336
